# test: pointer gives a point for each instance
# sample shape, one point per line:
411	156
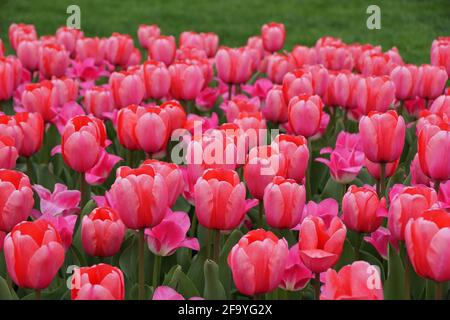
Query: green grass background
410	25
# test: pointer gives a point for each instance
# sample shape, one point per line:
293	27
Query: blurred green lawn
410	25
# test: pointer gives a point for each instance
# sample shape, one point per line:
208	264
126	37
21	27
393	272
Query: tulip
377	64
434	140
408	203
357	281
321	246
383	136
36	266
32	126
64	225
94	48
19	32
295	150
100	172
275	109
186	80
210	43
127	88
258	262
296	83
170	234
233	65
273	35
68	37
239	104
277	66
99	282
362	211
146	33
99	101
119	48
176	113
302	55
8	153
431	81
16	198
284	200
156	79
426	240
405	81
28	54
257	52
417	175
167	293
83	135
305	114
102	232
440	53
380	240
441	105
53	60
61	202
373	93
374	168
360	51
296	275
326	210
163	49
335	57
64	90
251	122
10	76
263	164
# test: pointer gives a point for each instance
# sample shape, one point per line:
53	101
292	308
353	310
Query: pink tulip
258	262
16	198
207	98
139	196
99	282
373	94
444	193
8	153
37	97
259	89
357	281
431	81
83	135
296	275
186	80
296	83
28	54
53	60
305	114
19	32
377	64
426	240
441	105
405	81
407	203
256	50
167	293
362	211
119	48
99	101
275	109
360	51
335	57
145	34
319	77
64	90
374	168
284	200
163	49
277	66
61	202
295	150
234	65
10	76
36	266
440	53
156	79
320	246
127	88
383	136
68	37
99	173
64	225
327	209
417	175
102	232
170	234
239	104
210	43
93	48
302	55
273	35
176	113
32	127
380	240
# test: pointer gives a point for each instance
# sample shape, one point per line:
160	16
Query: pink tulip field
180	168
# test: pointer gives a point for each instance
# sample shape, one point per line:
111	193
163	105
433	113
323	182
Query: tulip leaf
128	258
333	190
224	270
394	286
134	292
5	293
185	286
213	287
347	255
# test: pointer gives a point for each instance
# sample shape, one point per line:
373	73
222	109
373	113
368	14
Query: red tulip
383	136
163	49
234	65
431	81
119	48
440	53
305	114
32	126
68	37
146	33
127	88
258	262
156	79
99	101
102	232
99	282
19	32
186	80
295	150
53	60
139	196
273	35
83	135
33	254
93	48
10	76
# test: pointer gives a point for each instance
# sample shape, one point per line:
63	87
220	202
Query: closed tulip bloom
83	135
321	246
99	101
152	120
405	80
37	97
170	234
296	275
305	114
239	104
250	122
383	136
284	200
303	55
127	88
156	79
64	90
441	106
275	109
139	196
53	60
374	168
28	54
10	76
219	198
263	164
417	175
273	35
8	153
295	150
210	43
102	232
362	211
33	254
119	48
373	94
277	66
146	32
377	64
296	83
99	282
19	32
440	53
94	48
16	198
186	80
234	65
335	57
176	113
357	281
163	49
32	126
258	262
407	203
68	37
434	140
427	239
431	81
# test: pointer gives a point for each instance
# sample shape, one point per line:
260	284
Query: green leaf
128	259
224	271
185	286
347	256
394	286
333	190
195	272
213	287
5	293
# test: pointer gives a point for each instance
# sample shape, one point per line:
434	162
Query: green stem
9	281
30	171
156	271
308	172
141	275
37	293
261	214
230	91
382	179
357	249
259	296
216	246
406	279
208	243
84	189
438	292
436	186
317	286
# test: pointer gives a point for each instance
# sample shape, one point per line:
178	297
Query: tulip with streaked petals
10	76
277	66
373	94
275	108
53	60
59	202
335	57
297	82
156	79
377	64
8	153
302	55
163	49
36	266
98	282
273	35
440	53
305	114
98	174
258	262
295	150
187	80
326	209
99	101
146	32
431	81
441	105
405	80
64	225
380	240
32	126
127	88
64	90
119	48
19	32
68	37
176	113
233	65
94	48
37	97
28	54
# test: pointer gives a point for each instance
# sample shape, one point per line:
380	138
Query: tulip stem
156	271
317	286
438	291
261	214
141	275
230	91
436	186
84	189
216	246
357	248
30	169
308	172
37	295
382	182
